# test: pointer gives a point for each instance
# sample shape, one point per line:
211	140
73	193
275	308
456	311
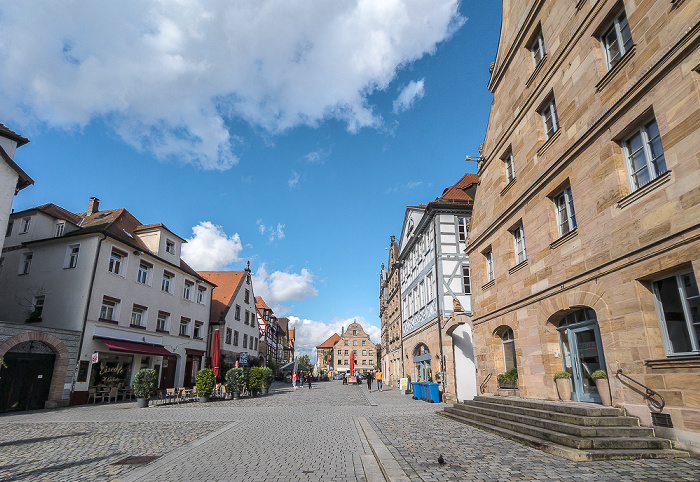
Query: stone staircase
576	431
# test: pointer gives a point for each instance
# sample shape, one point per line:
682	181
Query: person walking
369	381
380	375
294	380
308	379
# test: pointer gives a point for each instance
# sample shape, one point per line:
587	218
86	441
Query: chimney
93	206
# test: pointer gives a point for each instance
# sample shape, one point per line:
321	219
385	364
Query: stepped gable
227	283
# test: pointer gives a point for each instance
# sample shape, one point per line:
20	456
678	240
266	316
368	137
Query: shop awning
133	347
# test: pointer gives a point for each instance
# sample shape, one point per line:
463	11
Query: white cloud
318	156
294	179
280	286
168	76
210	248
310	333
273	233
404	187
412	93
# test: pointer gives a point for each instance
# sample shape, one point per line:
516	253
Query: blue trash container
423	391
433	392
416	392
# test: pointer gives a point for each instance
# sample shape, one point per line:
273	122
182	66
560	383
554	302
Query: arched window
508	342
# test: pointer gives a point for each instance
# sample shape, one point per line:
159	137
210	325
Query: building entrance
25	382
582	352
421	362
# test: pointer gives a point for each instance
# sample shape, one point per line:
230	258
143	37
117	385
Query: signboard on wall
403	384
95	357
244	358
83	371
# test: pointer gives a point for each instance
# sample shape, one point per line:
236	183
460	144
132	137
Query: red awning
133	347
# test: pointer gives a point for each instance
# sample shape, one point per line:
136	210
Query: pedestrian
369	381
308	379
380	375
294	380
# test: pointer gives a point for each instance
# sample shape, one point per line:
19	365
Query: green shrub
205	380
145	383
562	375
599	374
235	379
254	379
267	376
509	376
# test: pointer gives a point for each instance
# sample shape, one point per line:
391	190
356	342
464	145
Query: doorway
25	382
582	352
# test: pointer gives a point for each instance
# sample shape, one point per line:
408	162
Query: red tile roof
260	303
227	282
330	342
456	191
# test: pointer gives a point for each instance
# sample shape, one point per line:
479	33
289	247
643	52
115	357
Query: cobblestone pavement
303	435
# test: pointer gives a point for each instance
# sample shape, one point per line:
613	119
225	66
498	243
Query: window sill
184	336
610	74
138	326
105	320
536	71
675	361
642	191
488	285
570	235
549	142
508	186
197	338
162	331
35	320
518	267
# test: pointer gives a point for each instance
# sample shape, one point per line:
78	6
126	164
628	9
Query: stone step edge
558	425
564	451
561	407
546	434
631	422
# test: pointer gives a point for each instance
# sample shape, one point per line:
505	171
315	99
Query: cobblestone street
303	435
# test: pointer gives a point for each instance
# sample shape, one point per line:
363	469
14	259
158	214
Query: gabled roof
154	226
227	283
457	190
10	134
260	304
330	342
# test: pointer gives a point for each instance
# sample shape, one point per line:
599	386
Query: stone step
563	450
586	421
537	419
564	438
572	408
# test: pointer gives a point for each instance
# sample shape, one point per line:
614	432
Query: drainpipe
437	306
87	307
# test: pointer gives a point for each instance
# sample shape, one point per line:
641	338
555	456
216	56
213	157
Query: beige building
324	354
390	315
356	340
585	239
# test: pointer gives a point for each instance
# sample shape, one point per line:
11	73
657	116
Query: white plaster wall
465	369
8	182
253	331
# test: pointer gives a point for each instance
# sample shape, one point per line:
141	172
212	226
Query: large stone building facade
390	315
354	339
585	239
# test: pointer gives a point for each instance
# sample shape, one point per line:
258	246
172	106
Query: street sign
95	358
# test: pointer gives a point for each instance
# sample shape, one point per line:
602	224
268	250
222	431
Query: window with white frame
8	231
354	343
644	155
198	330
364	342
38	305
370	353
519	244
364	352
488	258
509	167
117	262
429	287
466	282
566	216
549	118
169	247
616	40
229	334
537	49
187	290
138	316
184	327
235	338
678	308
109	309
201	292
340	352
72	254
245	340
166	284
347	352
60	227
24	225
508	345
144	273
462	232
421	293
25	264
163	321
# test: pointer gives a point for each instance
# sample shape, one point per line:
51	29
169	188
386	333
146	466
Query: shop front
193	363
421	362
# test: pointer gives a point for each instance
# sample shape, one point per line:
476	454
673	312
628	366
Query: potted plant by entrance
603	386
235	379
254	380
563	385
267	377
205	380
508	380
144	386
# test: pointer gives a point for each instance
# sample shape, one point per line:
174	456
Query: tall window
466	282
229	334
644	154
537	49
245	340
566	217
421	293
429	287
60	226
24	225
108	310
197	330
187	290
116	262
488	257
508	341
72	254
162	321
169	247
38	305
237	313
364	343
166	284
509	167
678	308
8	232
184	327
201	291
137	316
617	40
247	296
247	317
549	118
26	264
235	338
519	244
462	232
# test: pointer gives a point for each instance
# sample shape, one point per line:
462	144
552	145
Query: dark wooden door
25	383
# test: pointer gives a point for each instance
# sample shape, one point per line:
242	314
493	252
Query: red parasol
352	363
215	353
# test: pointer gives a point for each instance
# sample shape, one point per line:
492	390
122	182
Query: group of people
371	376
298	379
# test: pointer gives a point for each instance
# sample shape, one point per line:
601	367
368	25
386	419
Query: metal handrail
649	392
482	387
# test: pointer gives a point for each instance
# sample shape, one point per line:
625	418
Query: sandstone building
390	315
585	239
354	339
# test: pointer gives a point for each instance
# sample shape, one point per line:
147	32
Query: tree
304	360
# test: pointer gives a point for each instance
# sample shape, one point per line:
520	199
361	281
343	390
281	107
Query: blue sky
290	134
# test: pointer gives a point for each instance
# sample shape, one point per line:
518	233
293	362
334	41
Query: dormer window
60	226
169	247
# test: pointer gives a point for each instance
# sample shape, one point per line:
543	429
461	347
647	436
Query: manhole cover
136	460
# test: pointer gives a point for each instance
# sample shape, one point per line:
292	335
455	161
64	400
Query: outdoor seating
93	395
113	394
173	394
